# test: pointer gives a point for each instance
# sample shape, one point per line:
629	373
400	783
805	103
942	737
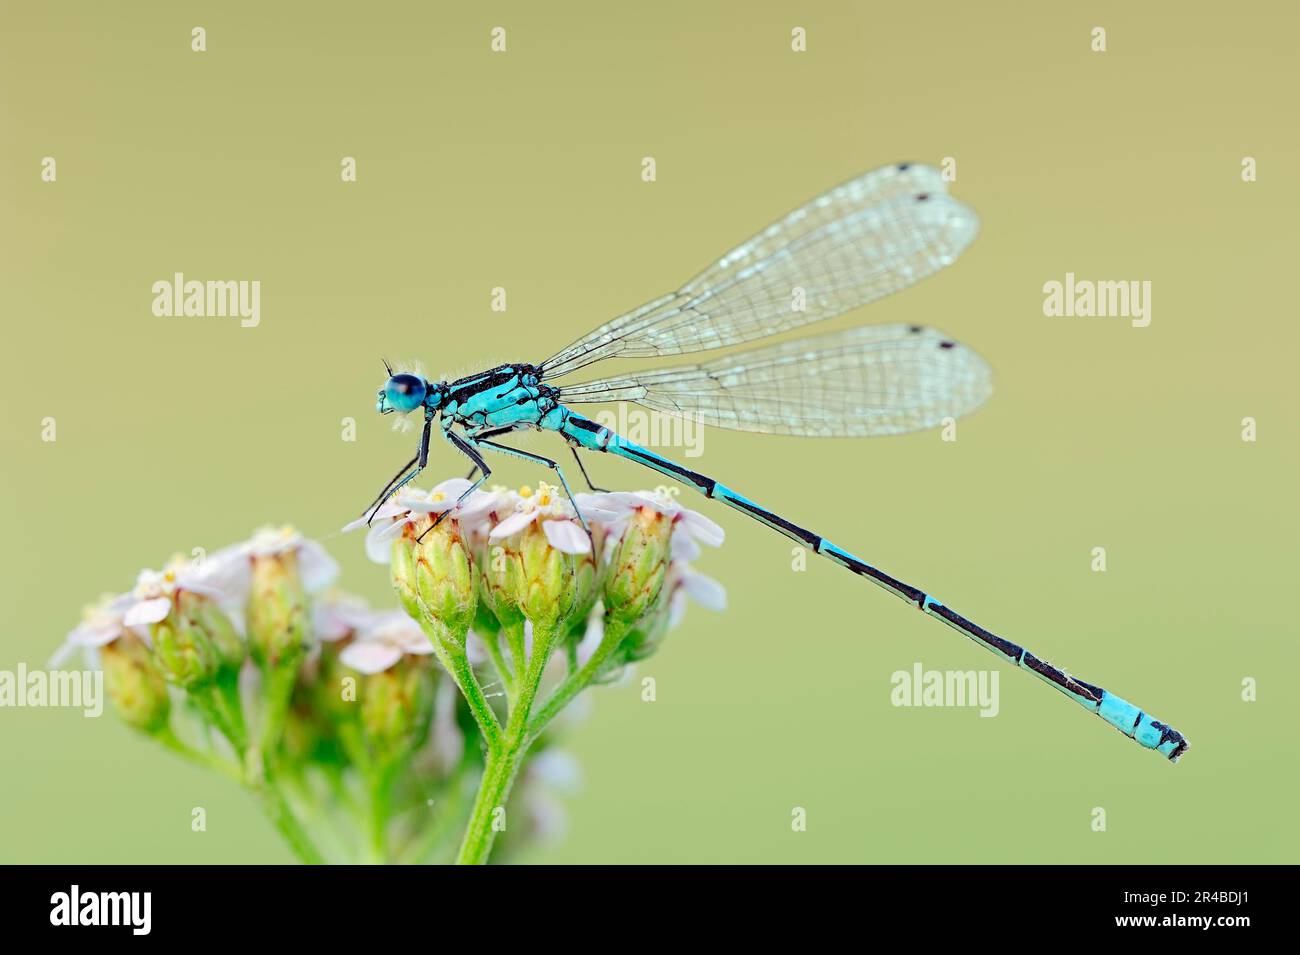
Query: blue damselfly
871	236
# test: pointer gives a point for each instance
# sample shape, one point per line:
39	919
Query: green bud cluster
134	684
185	654
396	705
278	623
360	714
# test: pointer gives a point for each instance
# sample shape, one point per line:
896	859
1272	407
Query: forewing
862	240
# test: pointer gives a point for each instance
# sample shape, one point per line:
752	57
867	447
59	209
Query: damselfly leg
577	457
545	462
383	495
397	483
465	448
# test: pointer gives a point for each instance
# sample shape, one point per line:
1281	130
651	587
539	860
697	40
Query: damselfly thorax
508	396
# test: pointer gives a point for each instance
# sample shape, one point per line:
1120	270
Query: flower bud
403	571
184	654
396	705
649	632
278	628
588	576
137	689
540	580
201	618
333	693
638	566
445	588
496	568
307	729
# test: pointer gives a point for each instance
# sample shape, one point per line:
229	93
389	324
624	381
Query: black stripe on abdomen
1008	649
662	465
775	521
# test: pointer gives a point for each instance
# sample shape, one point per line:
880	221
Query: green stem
168	738
274	802
279	812
377	818
319	817
277	693
578	680
207	699
514	633
227	696
493	644
493	791
458	665
451	654
505	758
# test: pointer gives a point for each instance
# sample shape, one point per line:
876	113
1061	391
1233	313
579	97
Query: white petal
379	541
475	649
598	500
683	544
147	612
601	515
97	634
203	590
567	537
676	608
408	494
390	508
513	524
595	633
338	615
370	656
328	628
62	655
623	501
454	487
413	640
475	508
557	768
705	591
228	571
317	567
704	530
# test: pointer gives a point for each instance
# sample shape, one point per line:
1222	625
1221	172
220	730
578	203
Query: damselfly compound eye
404	393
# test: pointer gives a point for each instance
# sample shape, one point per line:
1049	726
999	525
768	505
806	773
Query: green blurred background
522	170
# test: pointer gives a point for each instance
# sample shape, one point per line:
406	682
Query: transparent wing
872	380
871	236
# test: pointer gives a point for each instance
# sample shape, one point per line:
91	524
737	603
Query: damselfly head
402	393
